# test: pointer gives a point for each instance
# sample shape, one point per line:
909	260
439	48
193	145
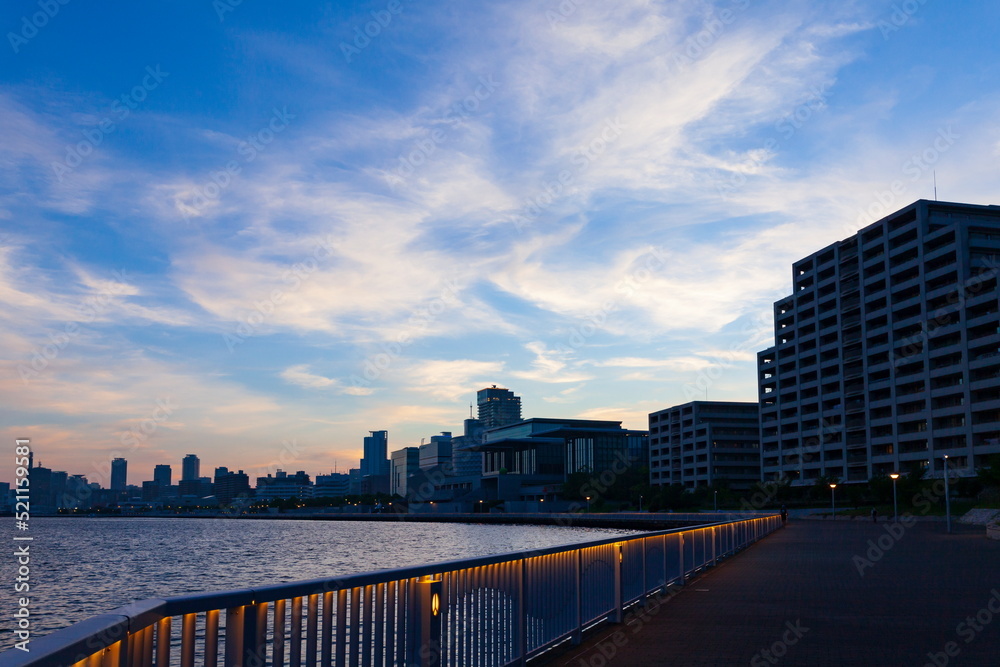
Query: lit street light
833	502
895	505
588	503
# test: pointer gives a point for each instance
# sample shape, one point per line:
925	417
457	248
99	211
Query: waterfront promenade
799	596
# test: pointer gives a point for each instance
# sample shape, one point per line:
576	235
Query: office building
333	485
119	474
498	407
283	485
887	353
529	460
437	452
405	463
190	468
231	486
705	443
162	475
466	461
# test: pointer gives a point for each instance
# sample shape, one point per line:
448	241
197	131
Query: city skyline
265	241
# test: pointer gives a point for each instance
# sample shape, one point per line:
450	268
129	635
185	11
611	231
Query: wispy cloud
579	200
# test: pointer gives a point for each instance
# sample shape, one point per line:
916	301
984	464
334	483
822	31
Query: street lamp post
895	505
947	495
833	502
640	503
716	501
588	503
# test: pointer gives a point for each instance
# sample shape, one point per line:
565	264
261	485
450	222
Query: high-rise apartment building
887	354
190	468
705	443
498	407
119	474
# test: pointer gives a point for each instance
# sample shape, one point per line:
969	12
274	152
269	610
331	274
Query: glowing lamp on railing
435	604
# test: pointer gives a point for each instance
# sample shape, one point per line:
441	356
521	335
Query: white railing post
618	612
578	579
521	629
680	559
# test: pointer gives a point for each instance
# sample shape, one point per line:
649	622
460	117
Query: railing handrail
101	631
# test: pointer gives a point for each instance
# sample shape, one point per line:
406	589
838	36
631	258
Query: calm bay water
86	566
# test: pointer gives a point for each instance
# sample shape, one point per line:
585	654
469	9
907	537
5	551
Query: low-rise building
705	443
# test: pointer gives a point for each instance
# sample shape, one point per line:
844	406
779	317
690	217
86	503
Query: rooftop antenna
935	185
471	415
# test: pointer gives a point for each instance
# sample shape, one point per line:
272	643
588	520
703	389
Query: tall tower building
119	474
887	353
190	468
376	460
498	407
161	475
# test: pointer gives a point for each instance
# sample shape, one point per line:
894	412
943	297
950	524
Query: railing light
435	604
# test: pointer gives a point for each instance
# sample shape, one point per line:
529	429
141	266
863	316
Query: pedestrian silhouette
874	515
784	515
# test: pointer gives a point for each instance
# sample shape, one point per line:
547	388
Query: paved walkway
799	596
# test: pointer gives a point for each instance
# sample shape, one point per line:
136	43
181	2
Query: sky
256	231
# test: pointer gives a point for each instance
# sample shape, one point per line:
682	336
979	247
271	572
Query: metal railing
495	610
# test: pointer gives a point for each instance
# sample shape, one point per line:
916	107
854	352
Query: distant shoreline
645	521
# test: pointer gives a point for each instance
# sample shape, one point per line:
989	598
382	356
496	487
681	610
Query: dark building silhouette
119	474
498	407
705	443
887	353
230	485
530	459
190	468
162	475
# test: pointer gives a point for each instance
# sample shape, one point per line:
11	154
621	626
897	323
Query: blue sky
254	232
